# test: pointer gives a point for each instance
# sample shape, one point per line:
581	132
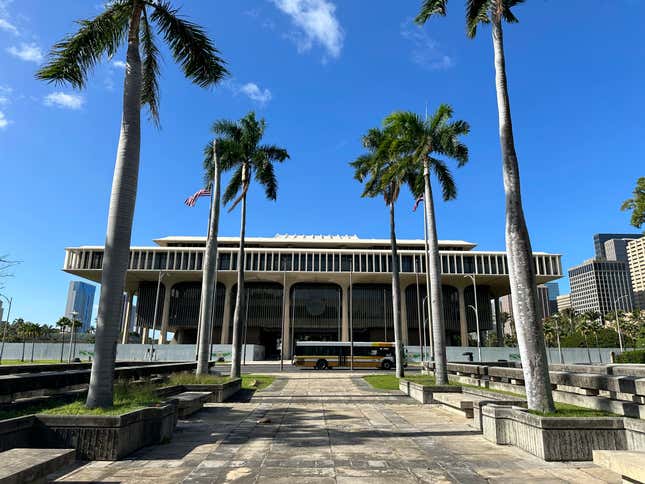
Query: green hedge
636	356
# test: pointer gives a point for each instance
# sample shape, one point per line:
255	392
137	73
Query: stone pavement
330	427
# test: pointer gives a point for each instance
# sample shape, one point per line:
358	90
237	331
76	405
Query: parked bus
323	355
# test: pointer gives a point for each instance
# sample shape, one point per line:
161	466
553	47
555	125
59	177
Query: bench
23	466
629	464
189	402
462	403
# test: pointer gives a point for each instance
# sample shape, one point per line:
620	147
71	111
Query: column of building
226	317
165	312
463	317
125	329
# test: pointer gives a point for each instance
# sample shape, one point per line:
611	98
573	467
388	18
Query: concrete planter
107	437
221	391
17	432
553	438
423	393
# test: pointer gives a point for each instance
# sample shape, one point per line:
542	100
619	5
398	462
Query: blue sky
322	72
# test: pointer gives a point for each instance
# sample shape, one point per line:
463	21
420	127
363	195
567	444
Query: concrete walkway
331	427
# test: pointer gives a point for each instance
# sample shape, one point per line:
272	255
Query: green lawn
382	382
256	382
27	362
192	379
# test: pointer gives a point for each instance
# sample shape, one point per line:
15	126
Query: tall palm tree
69	63
421	141
62	323
521	270
384	174
240	149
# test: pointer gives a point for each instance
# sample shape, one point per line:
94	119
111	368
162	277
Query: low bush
636	356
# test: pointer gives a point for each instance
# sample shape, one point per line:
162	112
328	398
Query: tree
70	62
530	334
384	174
240	150
420	142
636	204
22	331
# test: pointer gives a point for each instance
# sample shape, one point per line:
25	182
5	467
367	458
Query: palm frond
71	59
430	8
190	46
477	12
265	176
234	186
150	71
446	180
274	153
440	117
507	14
227	128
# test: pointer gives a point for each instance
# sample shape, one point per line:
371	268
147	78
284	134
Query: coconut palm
69	63
62	323
239	149
521	269
421	141
384	174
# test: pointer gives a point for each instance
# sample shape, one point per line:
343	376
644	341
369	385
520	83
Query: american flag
192	200
416	204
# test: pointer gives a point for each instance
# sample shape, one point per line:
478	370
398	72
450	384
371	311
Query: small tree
636	204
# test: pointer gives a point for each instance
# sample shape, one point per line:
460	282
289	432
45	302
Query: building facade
616	249
563	302
600	239
600	285
80	300
636	257
310	287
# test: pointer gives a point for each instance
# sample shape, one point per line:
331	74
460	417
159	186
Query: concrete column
344	318
165	313
286	314
226	317
125	330
463	320
404	317
144	335
499	328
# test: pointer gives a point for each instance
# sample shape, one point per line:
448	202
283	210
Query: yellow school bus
323	355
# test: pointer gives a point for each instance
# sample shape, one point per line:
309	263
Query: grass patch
35	362
568	410
192	379
256	382
382	382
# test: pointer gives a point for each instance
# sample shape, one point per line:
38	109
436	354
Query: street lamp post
4	331
476	309
620	336
73	315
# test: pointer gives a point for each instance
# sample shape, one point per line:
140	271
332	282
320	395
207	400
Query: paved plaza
330	427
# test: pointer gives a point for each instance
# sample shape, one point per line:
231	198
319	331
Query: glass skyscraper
80	299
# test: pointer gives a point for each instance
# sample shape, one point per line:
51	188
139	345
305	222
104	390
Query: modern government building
312	287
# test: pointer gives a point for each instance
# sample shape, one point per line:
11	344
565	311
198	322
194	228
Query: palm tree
70	62
34	331
239	149
384	174
62	323
530	335
421	141
22	331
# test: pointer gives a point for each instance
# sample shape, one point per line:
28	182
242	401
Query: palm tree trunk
238	316
119	226
396	297
33	344
209	282
530	336
436	299
24	342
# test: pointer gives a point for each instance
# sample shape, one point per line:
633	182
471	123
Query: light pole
4	330
620	336
72	330
476	309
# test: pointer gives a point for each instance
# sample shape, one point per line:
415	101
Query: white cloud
64	100
255	93
118	64
4	122
8	26
316	22
426	52
27	52
5	95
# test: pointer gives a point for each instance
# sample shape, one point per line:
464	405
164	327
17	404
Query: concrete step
460	402
190	402
629	464
26	466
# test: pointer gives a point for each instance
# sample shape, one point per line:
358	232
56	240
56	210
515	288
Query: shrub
636	356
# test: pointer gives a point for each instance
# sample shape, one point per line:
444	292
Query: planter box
423	393
107	437
221	391
552	438
17	432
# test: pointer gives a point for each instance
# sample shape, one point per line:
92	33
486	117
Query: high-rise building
636	257
554	291
600	239
80	299
601	285
544	308
563	302
616	249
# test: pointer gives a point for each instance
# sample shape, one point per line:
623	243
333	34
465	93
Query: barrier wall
84	351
